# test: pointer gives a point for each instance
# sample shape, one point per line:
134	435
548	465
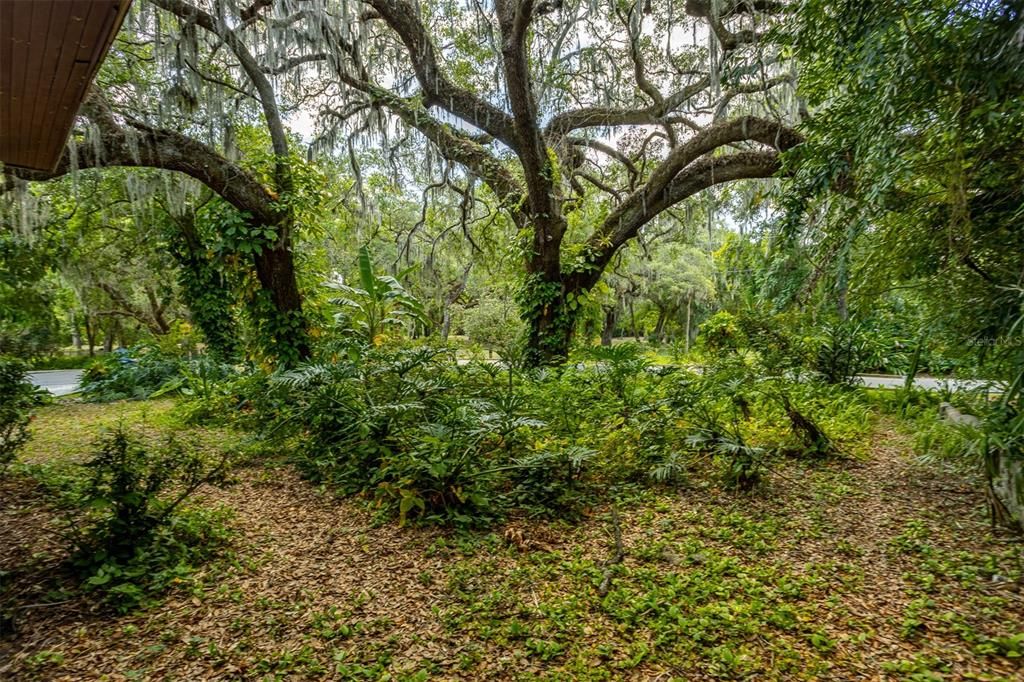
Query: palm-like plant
380	301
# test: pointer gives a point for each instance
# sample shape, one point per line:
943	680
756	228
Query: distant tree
678	278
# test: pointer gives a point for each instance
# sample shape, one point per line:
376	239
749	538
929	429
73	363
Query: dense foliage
17	398
146	372
469	262
467	443
133	537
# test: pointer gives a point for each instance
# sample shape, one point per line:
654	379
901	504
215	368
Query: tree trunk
689	307
842	286
658	334
108	336
156	311
76	333
446	323
608	330
90	334
551	329
449	301
288	334
545	300
206	289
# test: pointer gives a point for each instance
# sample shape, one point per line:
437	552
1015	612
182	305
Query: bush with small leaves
136	536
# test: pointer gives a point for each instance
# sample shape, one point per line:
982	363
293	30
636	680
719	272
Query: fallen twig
617	556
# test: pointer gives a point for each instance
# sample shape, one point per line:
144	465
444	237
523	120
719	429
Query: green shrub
443	476
17	398
136	538
378	304
550	482
428	440
171	554
432	441
740	464
211	392
134	375
145	372
842	352
721	333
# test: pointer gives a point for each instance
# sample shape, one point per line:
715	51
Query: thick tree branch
731	40
513	18
591	117
744	128
153	320
256	75
632	23
139	145
289	64
607	150
253	10
404	19
668	174
625	222
453	145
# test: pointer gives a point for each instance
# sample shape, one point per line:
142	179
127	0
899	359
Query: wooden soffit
50	51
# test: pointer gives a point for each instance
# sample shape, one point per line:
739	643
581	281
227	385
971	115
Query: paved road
929	383
56	381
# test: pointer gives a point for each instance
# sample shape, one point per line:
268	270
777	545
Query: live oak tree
551	103
181	80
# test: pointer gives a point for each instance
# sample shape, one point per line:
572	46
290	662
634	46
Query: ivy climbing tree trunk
283	328
547	301
278	310
206	288
286	332
551	328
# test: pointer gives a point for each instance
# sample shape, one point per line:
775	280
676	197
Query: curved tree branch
255	73
709	171
138	145
404	19
591	117
453	145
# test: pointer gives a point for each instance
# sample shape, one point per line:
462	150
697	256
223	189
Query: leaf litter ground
856	570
